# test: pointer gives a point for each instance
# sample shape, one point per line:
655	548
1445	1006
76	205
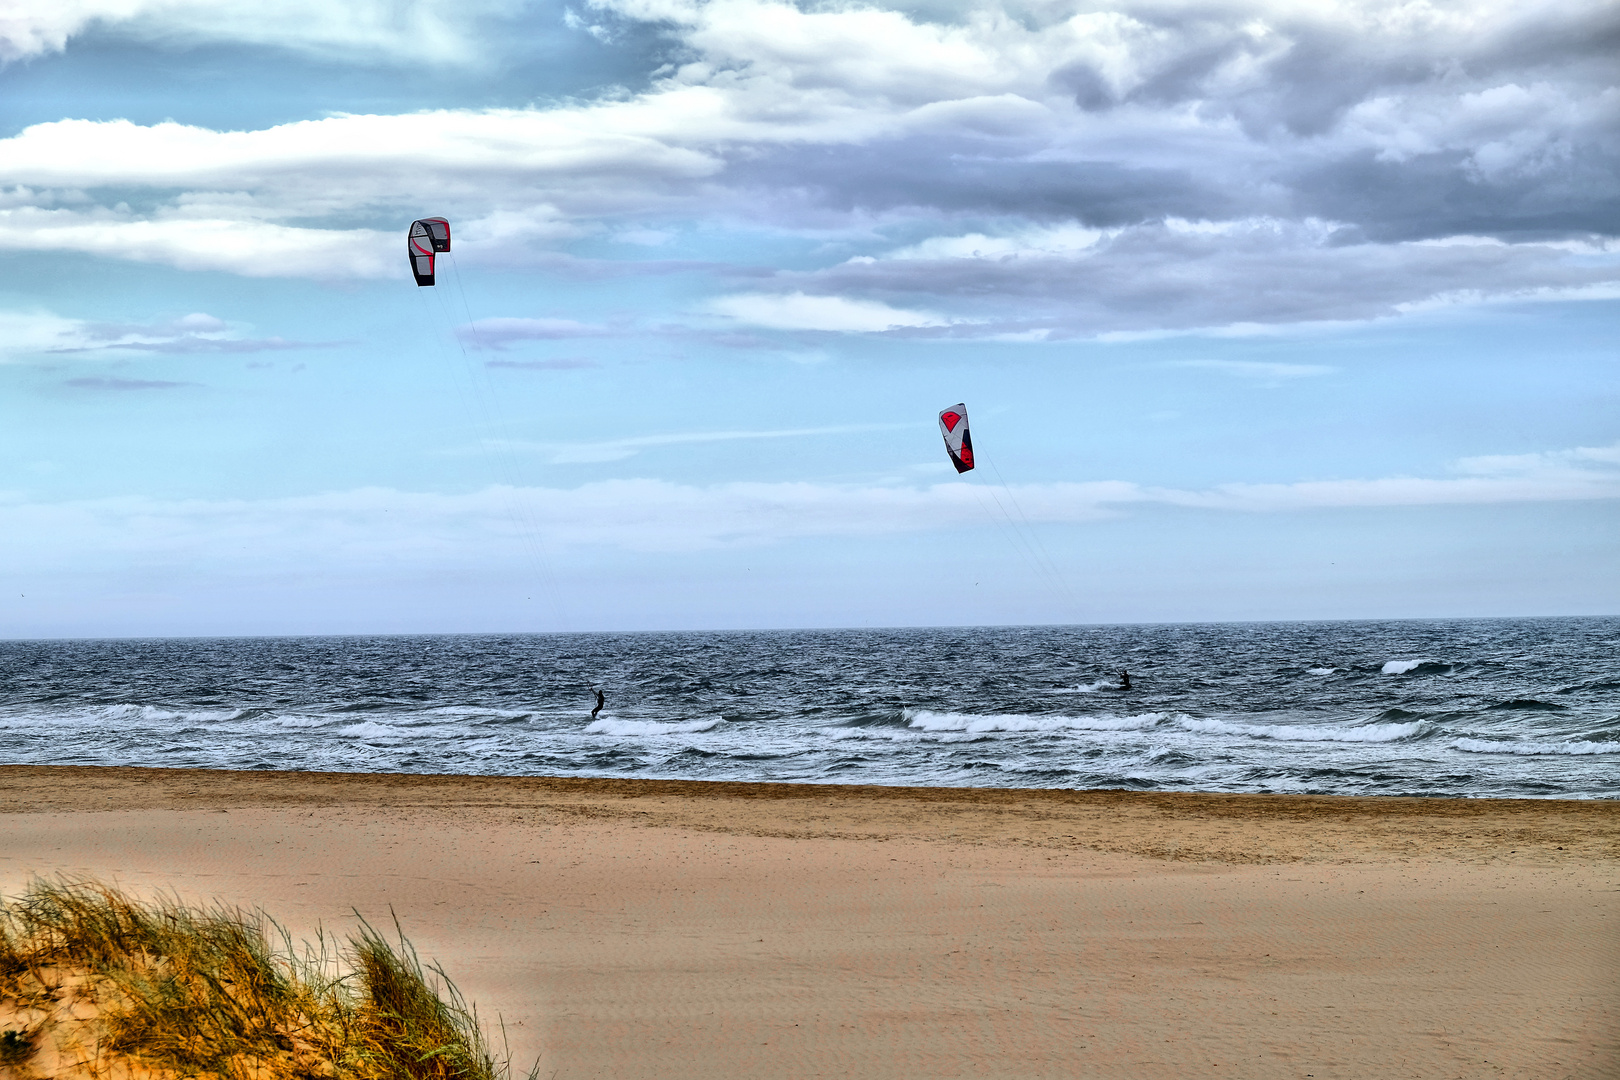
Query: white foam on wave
1364	733
1400	667
1320	670
613	726
1535	749
1084	688
151	714
973	723
370	729
476	713
294	720
138	712
907	735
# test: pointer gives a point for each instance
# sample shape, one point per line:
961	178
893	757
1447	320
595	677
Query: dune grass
95	985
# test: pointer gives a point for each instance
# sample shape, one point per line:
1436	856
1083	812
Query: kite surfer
600	701
1124	680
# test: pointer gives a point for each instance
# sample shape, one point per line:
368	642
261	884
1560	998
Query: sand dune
673	929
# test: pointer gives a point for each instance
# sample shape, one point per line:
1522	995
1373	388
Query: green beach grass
95	985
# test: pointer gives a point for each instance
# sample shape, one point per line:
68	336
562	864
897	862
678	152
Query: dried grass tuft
95	985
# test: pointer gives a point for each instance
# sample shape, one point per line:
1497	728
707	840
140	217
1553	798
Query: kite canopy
953	424
427	237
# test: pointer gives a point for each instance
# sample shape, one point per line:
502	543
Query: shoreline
1199	826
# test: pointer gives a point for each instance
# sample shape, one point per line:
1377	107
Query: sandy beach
681	929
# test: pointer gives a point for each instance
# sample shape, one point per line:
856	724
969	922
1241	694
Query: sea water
1527	707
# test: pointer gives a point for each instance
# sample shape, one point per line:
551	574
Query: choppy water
1478	708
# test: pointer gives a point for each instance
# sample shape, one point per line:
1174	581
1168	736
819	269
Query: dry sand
667	929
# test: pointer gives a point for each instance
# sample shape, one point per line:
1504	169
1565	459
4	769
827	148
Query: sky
1259	310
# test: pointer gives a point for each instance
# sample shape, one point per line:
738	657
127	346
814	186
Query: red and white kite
953	425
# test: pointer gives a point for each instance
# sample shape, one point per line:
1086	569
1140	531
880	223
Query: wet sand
675	929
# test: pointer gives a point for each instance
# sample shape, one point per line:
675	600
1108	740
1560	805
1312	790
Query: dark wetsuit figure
1124	680
599	703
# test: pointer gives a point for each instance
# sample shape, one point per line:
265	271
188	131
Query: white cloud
430	30
1006	134
1577	462
1504	131
498	333
1235	278
619	449
413	532
30	333
797	311
251	248
1068	240
344	163
1578	474
38	335
1256	370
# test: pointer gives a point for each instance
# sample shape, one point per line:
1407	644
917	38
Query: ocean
1484	708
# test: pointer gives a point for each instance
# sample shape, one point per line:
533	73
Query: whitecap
1401	667
613	726
1084	688
293	720
1535	749
1327	670
138	712
887	734
927	720
1364	733
370	729
213	716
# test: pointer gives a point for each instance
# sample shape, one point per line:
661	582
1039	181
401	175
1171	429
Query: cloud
619	449
1262	372
42	334
415	532
1576	462
95	383
797	311
1177	276
1005	168
562	363
430	30
498	333
1578	474
196	237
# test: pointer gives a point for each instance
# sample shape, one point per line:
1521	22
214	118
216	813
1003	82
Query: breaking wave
1410	667
1085	688
613	726
1535	749
370	729
973	723
1365	733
